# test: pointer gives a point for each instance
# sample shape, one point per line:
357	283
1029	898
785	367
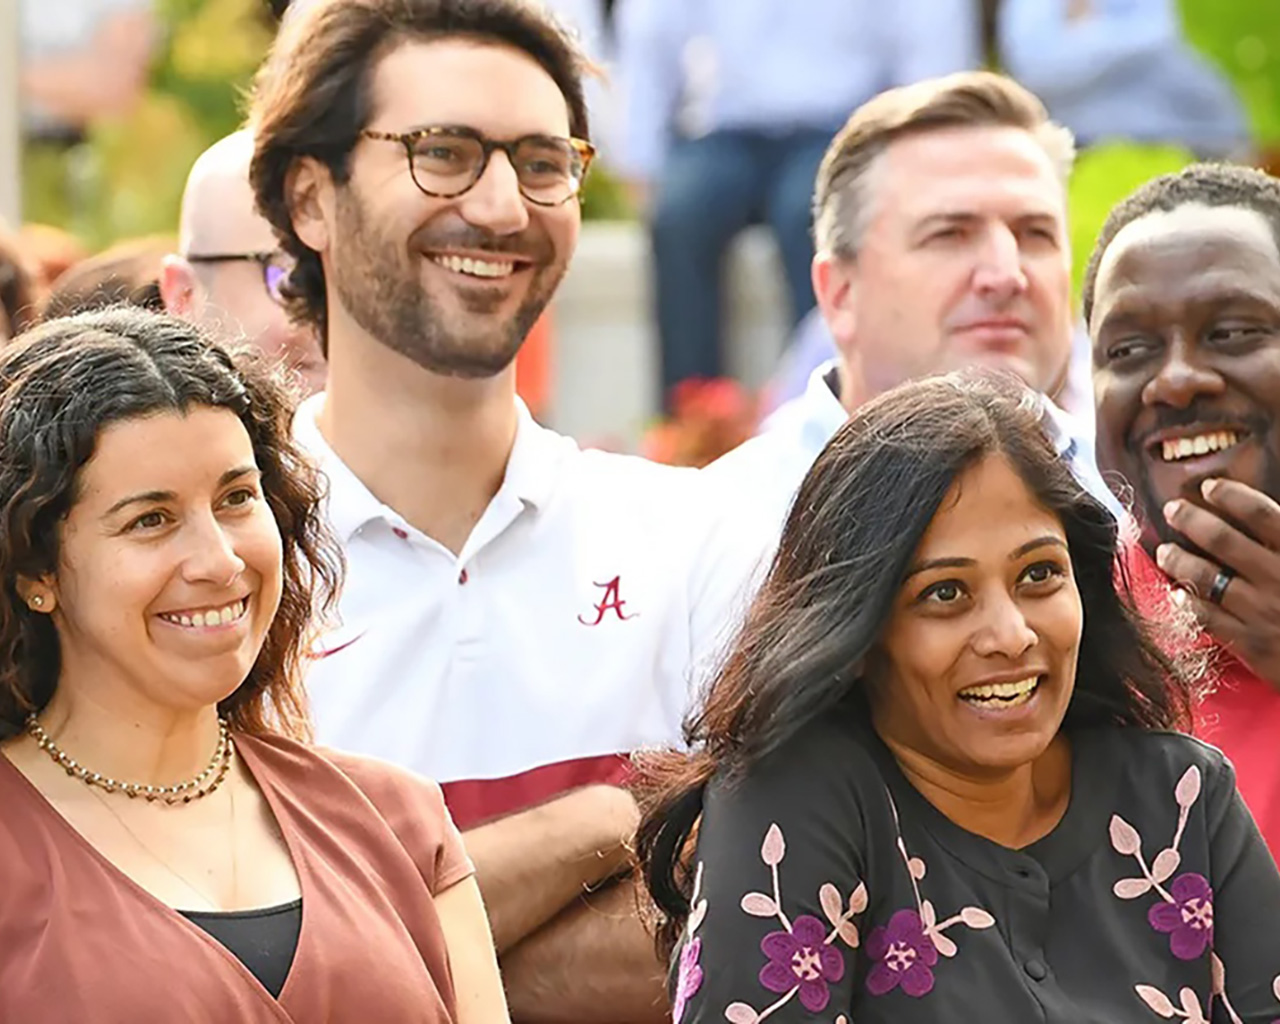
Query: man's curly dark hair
1207	184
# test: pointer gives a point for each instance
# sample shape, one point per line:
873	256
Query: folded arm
594	964
533	864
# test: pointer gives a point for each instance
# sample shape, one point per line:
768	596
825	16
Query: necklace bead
202	785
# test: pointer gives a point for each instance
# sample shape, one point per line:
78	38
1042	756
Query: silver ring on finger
1220	583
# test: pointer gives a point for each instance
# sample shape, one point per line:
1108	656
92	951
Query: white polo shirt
554	644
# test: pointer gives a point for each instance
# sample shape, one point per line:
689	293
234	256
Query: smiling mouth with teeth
1001	695
475	267
209	617
1179	448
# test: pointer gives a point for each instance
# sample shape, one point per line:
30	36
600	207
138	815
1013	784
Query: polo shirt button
402	534
1036	970
463	577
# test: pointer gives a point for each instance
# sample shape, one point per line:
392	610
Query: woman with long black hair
937	777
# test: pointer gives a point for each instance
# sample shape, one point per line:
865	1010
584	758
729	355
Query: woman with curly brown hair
172	847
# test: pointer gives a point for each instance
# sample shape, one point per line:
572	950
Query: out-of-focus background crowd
683	320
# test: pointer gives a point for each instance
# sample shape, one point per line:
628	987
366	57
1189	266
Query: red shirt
1241	716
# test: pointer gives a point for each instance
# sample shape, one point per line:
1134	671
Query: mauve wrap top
372	844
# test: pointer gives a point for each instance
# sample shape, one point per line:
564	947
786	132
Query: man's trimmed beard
388	300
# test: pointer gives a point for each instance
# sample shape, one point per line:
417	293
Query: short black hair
1208	184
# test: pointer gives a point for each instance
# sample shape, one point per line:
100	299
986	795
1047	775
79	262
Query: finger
1221	624
1221	541
1253	642
1198	574
1258	513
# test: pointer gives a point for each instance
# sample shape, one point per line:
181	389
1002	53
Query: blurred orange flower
709	418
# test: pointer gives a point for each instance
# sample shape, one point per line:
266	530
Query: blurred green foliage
1239	36
127	179
1243	38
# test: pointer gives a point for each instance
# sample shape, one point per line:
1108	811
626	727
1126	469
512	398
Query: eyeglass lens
548	170
274	276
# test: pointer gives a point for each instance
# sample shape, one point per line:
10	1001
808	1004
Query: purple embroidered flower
1188	921
802	958
903	955
688	979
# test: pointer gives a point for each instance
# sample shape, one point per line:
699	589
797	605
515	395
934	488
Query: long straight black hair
852	531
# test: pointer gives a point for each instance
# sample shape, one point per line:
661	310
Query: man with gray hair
941	229
228	271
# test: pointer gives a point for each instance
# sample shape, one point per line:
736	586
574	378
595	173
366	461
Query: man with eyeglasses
514	621
229	269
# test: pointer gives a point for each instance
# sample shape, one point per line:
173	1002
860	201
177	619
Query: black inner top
263	940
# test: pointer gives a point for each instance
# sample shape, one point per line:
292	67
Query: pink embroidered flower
688	979
802	958
1188	921
903	955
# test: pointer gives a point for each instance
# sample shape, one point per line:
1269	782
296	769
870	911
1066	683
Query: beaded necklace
183	792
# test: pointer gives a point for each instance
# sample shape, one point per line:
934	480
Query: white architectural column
604	378
10	115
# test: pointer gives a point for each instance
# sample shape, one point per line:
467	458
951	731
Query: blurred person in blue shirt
82	60
727	108
1111	69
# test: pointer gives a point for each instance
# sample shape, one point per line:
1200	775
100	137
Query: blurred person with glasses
229	272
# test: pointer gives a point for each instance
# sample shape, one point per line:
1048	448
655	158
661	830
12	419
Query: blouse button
402	534
463	577
1036	970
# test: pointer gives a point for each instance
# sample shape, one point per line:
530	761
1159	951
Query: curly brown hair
60	386
311	97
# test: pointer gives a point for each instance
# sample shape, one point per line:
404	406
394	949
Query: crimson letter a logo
611	602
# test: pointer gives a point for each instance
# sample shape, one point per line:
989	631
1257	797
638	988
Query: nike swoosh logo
328	652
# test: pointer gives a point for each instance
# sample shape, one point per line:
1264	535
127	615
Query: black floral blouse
828	889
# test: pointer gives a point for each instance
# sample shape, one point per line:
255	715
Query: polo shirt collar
822	396
824	412
535	460
821	413
530	476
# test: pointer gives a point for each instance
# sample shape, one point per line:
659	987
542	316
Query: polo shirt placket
553	645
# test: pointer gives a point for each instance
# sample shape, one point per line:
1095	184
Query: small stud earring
37	601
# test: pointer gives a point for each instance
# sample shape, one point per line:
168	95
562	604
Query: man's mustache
1197	414
529	245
